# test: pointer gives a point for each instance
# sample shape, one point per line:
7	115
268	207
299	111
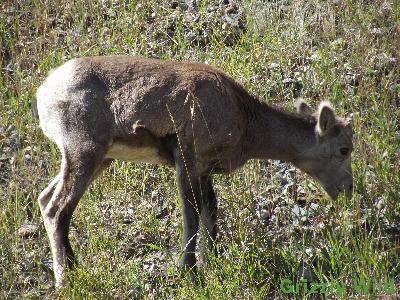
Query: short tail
33	106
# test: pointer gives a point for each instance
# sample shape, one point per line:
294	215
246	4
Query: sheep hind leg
208	219
77	170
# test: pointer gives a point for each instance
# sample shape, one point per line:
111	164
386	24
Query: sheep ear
302	107
326	118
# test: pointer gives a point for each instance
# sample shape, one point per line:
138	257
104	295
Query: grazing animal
186	115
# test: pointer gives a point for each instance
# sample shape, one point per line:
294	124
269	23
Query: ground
277	228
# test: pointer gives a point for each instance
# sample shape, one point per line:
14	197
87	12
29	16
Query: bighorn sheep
186	115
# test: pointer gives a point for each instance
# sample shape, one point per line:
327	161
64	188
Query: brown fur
190	116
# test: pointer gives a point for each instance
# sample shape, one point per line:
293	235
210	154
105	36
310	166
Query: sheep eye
344	151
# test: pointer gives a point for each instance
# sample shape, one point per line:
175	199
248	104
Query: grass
127	228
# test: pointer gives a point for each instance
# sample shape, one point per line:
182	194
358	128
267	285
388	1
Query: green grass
346	52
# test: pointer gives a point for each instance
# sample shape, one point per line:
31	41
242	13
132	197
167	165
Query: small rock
10	129
264	214
127	220
28	230
379	203
13	140
230	9
230	20
273	66
352	79
13	160
47	266
376	31
288	80
314	207
315	57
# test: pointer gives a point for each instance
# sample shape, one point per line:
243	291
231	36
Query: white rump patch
53	91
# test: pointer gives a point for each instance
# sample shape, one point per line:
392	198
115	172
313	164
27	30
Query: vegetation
277	228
